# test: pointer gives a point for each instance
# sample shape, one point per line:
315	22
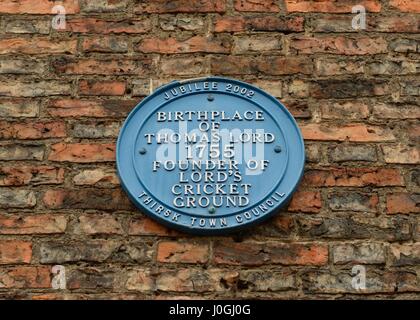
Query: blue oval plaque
210	155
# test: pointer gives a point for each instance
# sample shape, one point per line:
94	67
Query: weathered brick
354	88
256	280
401	154
105	44
261	23
405	5
344	110
40	7
305	201
146	226
350	132
389	111
37	45
18	108
313	152
140	280
273	87
18	26
90	108
36	175
190	23
350	152
182	252
102	88
106	26
15	252
36	88
180	66
92	224
21	152
90	278
338	45
17	198
101	199
34	224
404	45
104	67
206	44
22	66
410	88
96	130
331	6
359	253
226	252
25	277
400	202
248	44
32	130
298	108
353	177
405	254
298	88
329	66
104	5
97	177
393	67
256	6
82	152
353	201
265	65
186	6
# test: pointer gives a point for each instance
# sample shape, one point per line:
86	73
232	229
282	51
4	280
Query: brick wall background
65	93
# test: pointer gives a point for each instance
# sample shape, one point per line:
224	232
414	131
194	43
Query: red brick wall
65	93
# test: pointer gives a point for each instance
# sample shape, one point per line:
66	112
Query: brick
404	45
298	88
107	26
190	45
248	44
32	130
392	67
299	109
18	108
102	88
22	66
182	252
263	23
355	227
353	201
246	254
256	6
41	7
90	108
390	111
261	281
376	282
401	202
103	6
180	6
17	199
37	45
25	277
410	88
90	278
190	23
331	6
353	177
313	152
349	132
195	280
21	152
350	152
329	67
140	280
97	177
82	152
93	224
104	67
15	252
415	177
27	26
36	88
265	65
96	130
344	110
405	254
181	66
411	6
338	45
273	87
401	154
148	227
34	224
35	175
87	198
305	201
359	253
354	88
105	44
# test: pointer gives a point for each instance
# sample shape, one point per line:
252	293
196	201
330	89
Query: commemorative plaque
210	155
